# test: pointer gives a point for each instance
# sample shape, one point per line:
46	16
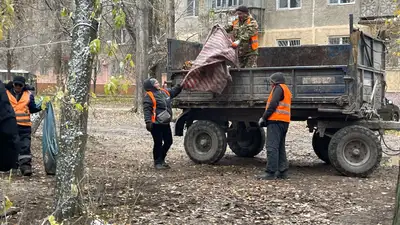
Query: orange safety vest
282	112
151	95
21	108
253	39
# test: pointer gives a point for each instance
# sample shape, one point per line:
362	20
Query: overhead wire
35	45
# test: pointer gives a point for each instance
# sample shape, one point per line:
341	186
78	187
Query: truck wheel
355	151
320	146
246	143
205	142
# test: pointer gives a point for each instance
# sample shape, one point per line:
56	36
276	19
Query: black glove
149	127
262	122
179	86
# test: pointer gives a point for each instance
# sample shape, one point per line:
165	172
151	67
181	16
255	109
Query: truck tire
320	146
205	142
355	151
250	145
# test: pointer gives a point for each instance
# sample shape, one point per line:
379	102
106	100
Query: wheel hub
203	142
356	152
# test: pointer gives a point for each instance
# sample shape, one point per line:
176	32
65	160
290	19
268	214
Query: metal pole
351	22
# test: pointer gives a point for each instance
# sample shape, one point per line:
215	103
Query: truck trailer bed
323	79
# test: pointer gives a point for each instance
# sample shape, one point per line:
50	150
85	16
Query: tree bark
73	130
131	14
396	219
9	55
171	19
57	48
152	24
142	37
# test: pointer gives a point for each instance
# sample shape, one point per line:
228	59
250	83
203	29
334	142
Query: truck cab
389	111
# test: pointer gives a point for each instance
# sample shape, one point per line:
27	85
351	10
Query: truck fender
180	122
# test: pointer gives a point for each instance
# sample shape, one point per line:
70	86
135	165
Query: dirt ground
123	188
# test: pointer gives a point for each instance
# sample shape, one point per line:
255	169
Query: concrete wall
313	23
307	36
392	80
288	18
313	13
189	27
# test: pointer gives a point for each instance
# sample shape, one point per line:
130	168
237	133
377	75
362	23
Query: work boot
166	165
26	170
160	166
267	176
283	175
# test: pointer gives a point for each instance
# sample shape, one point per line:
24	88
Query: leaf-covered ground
123	188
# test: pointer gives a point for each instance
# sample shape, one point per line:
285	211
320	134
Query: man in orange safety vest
277	118
23	103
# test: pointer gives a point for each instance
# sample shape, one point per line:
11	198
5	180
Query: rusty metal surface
181	51
304	56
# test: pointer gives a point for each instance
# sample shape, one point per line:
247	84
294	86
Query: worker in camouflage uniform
245	33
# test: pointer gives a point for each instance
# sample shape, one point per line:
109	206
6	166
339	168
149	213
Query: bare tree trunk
95	71
73	130
9	55
57	48
396	219
142	37
152	23
131	14
171	19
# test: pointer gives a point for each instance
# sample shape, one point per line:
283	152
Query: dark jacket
32	105
277	95
163	101
6	110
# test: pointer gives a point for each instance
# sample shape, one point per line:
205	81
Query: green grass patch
113	99
393	132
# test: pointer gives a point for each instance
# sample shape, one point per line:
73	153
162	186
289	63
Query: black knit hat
243	9
153	81
19	80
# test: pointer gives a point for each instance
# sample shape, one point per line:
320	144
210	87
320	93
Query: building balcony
377	9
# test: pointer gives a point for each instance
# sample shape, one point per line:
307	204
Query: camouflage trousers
249	61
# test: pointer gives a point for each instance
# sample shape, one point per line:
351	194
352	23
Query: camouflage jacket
244	32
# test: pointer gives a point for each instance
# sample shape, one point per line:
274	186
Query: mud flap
180	123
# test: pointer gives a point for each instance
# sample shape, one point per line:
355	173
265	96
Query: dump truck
337	90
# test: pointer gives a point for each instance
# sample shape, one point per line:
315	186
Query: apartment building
282	22
308	22
293	22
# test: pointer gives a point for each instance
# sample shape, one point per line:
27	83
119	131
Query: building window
226	3
288	4
192	8
339	40
341	2
288	42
